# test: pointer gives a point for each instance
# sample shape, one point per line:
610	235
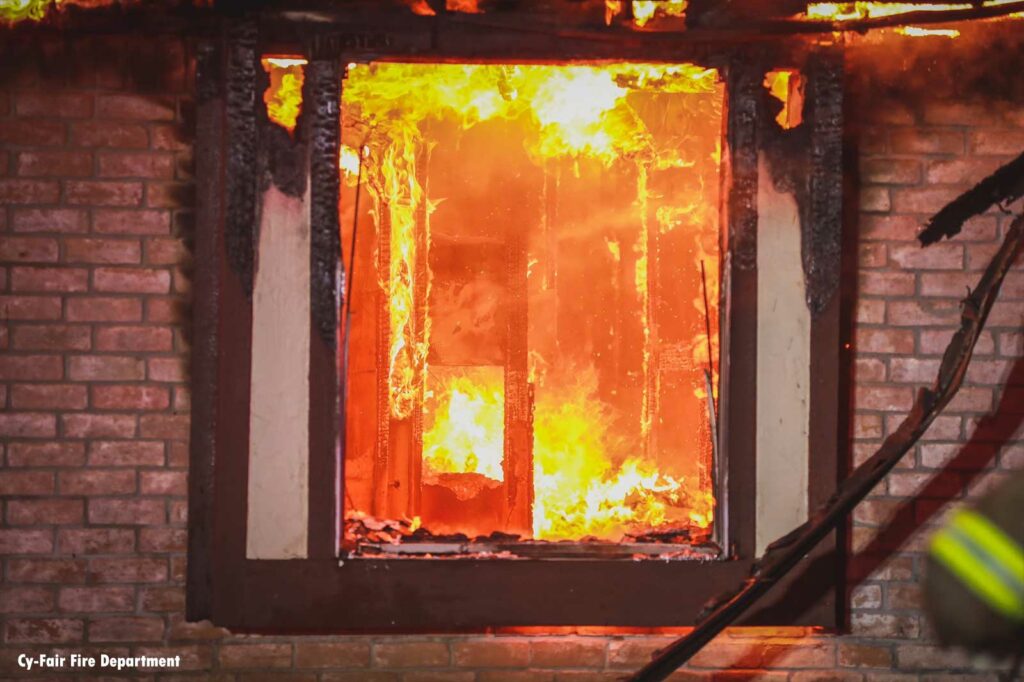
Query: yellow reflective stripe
976	576
993	540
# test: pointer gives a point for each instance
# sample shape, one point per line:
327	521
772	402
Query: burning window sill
370	537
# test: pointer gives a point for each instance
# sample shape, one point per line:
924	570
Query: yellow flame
645	10
13	11
918	32
284	95
786	85
848	11
578	111
581	488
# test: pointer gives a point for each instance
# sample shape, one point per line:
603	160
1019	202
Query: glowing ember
284	96
606	459
466	6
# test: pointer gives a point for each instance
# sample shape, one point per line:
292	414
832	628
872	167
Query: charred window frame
239	151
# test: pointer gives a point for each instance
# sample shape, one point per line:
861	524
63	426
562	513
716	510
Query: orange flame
284	96
849	11
586	481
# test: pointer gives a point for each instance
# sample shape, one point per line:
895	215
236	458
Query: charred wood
1003	186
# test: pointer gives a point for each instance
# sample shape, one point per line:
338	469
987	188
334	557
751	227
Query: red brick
867	426
126	453
891	171
103	309
132	280
163	540
126	629
971	399
178	511
61	571
35	541
872	255
501	652
51	337
159	426
49	396
931	657
28	192
59	220
567	653
896	341
109	134
1011	344
170	195
28	249
43	630
943	256
170	138
410	654
145	165
55	279
921	140
98	425
166	310
108	251
96	481
163	599
924	200
134	338
48	104
135	107
989	372
26	600
961	171
885	625
922	313
884	398
182	630
859	655
31	132
131	222
886	283
53	164
947	284
55	454
163	483
866	596
105	368
255	656
27	425
869	370
128	570
935	341
190	657
130	397
80	542
996	141
103	193
30	307
968	456
875	199
913	370
44	512
96	599
161	251
127	511
890	227
923	485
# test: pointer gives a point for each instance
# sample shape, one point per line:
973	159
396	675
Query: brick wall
95	201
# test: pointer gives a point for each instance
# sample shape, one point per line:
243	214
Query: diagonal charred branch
1003	186
785	553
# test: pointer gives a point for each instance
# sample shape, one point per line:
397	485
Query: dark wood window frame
237	150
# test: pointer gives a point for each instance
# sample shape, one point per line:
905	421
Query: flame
645	10
578	110
918	32
586	481
465	6
284	95
581	487
13	11
849	11
787	86
421	7
468	417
